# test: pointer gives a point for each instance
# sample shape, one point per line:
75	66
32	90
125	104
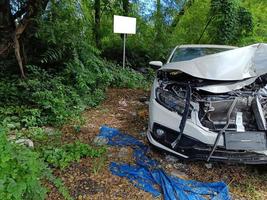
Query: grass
98	164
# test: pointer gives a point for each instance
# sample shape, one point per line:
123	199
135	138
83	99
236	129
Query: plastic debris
179	174
123	103
124	153
143	134
208	165
171	159
147	175
27	142
100	141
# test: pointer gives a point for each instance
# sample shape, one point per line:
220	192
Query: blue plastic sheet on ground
146	175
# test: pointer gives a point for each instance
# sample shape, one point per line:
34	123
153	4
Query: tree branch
20	12
28	11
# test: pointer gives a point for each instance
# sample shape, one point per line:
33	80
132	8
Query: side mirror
156	64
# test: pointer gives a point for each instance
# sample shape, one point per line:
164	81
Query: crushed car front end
198	115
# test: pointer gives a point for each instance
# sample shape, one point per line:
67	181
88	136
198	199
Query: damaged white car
209	102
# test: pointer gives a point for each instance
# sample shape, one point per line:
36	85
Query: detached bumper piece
250	141
236	150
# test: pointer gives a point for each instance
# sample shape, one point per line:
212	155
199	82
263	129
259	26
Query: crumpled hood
233	65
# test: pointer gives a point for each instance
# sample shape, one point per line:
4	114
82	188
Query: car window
183	54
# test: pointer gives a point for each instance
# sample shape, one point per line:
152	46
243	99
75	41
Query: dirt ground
126	109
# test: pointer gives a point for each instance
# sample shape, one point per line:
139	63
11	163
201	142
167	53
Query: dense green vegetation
20	170
66	56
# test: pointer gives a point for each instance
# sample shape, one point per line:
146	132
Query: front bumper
160	115
190	149
197	141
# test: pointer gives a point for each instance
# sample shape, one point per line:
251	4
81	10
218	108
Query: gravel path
127	110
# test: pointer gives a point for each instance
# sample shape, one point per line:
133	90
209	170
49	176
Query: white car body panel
224	66
227	87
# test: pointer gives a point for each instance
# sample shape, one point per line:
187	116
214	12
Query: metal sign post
124	25
124	49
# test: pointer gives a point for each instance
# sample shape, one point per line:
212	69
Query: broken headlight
171	101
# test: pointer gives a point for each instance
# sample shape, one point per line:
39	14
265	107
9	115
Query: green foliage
16	117
191	24
218	22
64	155
41	99
69	75
128	78
20	172
23	170
40	136
52	55
229	22
258	9
44	98
60	186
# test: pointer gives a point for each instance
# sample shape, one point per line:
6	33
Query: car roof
206	46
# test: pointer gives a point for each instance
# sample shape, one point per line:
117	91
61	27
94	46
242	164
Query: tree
6	26
158	21
182	6
191	23
12	26
125	6
228	22
159	40
258	10
97	9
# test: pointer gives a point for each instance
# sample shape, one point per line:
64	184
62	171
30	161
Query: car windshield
184	54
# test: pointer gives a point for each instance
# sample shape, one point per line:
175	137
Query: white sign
125	25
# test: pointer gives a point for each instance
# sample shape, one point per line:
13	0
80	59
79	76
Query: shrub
127	78
20	172
49	98
62	156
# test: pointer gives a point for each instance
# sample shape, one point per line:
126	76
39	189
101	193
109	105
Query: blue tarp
146	175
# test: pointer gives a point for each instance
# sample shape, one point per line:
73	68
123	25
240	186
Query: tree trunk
159	22
18	55
125	5
10	32
97	23
205	28
187	4
6	26
23	51
5	14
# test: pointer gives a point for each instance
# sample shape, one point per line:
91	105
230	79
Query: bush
64	155
67	76
15	117
52	98
128	78
20	172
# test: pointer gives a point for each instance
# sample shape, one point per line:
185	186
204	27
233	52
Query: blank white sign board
124	25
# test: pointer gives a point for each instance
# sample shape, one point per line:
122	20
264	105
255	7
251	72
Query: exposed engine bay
249	104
